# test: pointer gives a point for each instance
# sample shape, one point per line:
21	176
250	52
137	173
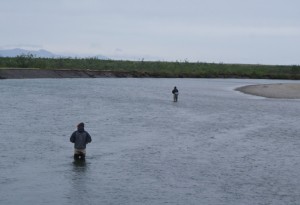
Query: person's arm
72	138
89	138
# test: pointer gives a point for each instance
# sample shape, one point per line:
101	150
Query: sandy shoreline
281	90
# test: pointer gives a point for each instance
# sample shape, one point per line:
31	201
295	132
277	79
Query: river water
215	146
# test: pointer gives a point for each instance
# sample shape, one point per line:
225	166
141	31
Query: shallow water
214	146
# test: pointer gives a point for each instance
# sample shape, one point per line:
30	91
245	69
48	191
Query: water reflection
78	180
79	165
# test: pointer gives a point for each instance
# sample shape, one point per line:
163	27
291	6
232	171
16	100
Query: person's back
80	138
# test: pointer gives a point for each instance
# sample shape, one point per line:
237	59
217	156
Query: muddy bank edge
61	73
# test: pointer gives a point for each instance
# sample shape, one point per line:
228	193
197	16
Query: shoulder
86	132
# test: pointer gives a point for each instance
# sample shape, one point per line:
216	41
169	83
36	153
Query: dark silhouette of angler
175	94
80	138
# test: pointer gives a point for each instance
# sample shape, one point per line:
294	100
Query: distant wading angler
175	94
80	138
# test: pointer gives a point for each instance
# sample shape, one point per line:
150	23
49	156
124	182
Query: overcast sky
228	31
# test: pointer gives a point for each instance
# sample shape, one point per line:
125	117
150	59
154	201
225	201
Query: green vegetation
157	69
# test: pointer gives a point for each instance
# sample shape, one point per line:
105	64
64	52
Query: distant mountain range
41	54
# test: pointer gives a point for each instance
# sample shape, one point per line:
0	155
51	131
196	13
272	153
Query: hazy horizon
246	32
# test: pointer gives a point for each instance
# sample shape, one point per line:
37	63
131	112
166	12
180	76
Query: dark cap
80	124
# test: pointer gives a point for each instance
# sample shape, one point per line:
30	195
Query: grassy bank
158	69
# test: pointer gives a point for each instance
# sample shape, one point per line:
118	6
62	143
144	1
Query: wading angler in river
175	94
80	138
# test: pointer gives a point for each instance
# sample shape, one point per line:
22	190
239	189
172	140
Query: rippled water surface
215	146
